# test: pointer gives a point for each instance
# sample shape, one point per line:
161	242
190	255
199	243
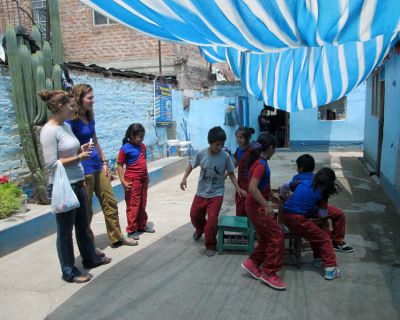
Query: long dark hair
324	181
264	141
246	132
133	130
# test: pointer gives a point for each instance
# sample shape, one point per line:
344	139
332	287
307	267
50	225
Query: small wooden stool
241	225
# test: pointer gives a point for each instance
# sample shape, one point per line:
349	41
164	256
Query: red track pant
241	201
270	249
319	239
136	200
210	207
338	220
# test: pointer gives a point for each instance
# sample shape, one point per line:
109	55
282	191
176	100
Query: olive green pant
99	184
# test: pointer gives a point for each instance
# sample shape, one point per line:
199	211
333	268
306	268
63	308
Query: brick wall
87	43
118	46
9	16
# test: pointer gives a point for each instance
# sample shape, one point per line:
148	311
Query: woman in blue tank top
97	173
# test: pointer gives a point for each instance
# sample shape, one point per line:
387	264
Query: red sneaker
251	268
273	280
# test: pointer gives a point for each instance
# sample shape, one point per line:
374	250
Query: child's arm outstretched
239	191
188	170
257	195
127	185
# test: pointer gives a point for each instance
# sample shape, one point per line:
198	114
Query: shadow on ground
172	279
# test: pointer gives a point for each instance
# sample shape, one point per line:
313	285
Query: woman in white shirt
60	144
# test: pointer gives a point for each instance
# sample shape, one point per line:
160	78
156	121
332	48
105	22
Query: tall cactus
28	81
24	127
47	59
40	80
49	85
57	77
56	31
31	74
36	35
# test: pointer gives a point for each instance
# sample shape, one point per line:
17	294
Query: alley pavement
168	276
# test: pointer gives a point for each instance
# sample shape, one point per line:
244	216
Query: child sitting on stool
310	199
305	167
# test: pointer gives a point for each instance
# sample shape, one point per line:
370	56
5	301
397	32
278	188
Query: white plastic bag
63	197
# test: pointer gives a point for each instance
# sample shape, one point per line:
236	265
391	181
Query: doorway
279	125
381	123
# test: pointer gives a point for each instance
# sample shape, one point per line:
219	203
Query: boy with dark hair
306	162
214	162
305	167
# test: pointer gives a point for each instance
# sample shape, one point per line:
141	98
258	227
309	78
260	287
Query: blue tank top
84	132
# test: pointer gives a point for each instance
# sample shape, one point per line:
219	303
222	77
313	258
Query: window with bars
333	111
100	20
39	14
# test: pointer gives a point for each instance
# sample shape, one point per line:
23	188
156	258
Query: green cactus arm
30	93
36	35
47	59
57	77
56	31
40	80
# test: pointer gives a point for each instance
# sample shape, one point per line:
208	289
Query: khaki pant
101	186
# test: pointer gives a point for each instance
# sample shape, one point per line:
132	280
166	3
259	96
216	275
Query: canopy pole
159	58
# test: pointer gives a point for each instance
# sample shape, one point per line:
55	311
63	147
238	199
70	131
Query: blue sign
162	103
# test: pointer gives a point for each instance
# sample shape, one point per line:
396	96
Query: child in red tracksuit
214	162
310	199
243	136
135	180
305	167
270	249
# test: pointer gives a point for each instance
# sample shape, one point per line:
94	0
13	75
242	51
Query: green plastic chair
241	225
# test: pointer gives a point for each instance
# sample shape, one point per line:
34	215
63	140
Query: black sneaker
197	235
343	248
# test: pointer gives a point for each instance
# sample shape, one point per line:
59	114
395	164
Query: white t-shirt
60	142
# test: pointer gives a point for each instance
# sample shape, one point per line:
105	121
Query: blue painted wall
390	159
305	126
118	103
370	129
206	112
391	128
11	157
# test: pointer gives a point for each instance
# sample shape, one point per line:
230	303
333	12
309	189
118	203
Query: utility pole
159	58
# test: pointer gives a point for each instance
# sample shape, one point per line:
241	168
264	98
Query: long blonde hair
80	91
55	99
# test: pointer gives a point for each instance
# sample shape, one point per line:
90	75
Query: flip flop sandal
129	241
81	279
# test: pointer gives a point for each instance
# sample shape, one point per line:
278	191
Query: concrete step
24	228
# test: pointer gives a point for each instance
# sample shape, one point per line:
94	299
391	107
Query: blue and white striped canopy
293	54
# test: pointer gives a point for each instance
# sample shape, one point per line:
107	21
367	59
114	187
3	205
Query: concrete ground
168	277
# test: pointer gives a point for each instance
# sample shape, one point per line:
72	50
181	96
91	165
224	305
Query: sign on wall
162	103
